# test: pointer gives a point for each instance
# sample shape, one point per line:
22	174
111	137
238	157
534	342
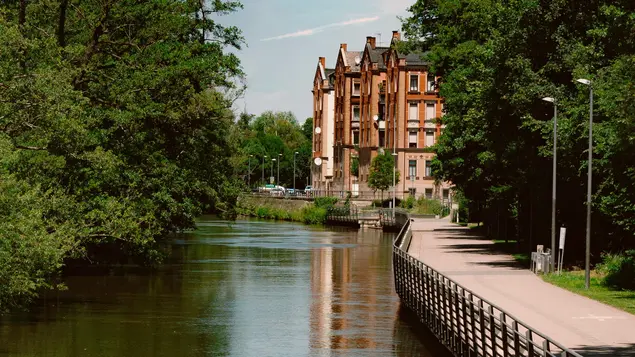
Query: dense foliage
272	134
114	126
497	59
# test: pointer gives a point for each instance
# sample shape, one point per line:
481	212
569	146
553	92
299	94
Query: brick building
323	126
347	117
377	98
413	110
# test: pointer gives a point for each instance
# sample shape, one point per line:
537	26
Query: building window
429	193
412	169
355	112
428	168
430	111
414	82
356	88
355	137
412	138
412	191
431	83
414	111
430	137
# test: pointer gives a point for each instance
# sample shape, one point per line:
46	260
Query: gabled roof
349	60
412	59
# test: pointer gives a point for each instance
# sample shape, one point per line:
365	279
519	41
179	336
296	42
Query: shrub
325	202
618	270
408	203
314	215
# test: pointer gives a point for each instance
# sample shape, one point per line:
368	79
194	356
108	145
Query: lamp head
584	81
549	99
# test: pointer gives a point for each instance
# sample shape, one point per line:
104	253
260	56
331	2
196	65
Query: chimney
371	41
396	35
343	46
323	62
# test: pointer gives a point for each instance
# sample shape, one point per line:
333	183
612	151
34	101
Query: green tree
307	129
124	128
381	172
496	60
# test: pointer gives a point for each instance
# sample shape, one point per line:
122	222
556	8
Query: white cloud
313	31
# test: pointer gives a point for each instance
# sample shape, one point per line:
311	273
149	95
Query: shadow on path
606	351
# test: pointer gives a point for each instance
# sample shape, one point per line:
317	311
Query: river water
245	288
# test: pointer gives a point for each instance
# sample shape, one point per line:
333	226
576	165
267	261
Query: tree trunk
61	31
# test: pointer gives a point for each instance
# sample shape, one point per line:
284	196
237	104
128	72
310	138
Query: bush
386	203
314	215
408	203
325	202
618	270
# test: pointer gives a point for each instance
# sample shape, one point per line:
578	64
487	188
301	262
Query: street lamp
278	182
394	172
294	155
249	172
272	160
394	184
587	262
263	169
553	181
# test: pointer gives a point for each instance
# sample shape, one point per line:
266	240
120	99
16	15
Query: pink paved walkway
589	327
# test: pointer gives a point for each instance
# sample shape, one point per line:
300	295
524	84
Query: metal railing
464	322
348	215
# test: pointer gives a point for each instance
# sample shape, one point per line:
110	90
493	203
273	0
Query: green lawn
574	281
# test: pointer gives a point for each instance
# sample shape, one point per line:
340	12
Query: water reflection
248	288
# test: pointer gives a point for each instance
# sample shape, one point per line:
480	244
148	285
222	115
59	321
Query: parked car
308	190
277	191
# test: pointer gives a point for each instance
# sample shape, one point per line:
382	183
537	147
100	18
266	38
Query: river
245	288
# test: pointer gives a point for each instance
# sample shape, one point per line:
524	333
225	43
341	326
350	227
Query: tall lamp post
278	179
553	181
249	172
587	261
263	170
272	163
395	159
294	155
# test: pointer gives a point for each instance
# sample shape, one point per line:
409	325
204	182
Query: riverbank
285	210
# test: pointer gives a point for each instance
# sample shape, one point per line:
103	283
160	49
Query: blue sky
286	37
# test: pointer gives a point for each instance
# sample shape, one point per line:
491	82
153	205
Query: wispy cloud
313	31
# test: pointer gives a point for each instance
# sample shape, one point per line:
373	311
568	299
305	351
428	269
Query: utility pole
279	158
294	155
263	169
553	182
249	172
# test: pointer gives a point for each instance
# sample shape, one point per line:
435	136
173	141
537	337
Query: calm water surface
246	288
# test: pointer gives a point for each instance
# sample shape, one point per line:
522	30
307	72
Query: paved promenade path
584	325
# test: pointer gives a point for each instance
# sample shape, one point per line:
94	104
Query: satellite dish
318	130
375	117
358	60
317	161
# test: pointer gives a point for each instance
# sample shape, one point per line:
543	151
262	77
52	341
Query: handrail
467	324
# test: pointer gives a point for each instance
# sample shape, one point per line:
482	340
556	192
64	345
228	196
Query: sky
285	38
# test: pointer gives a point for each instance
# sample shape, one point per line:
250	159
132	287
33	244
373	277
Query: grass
574	281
